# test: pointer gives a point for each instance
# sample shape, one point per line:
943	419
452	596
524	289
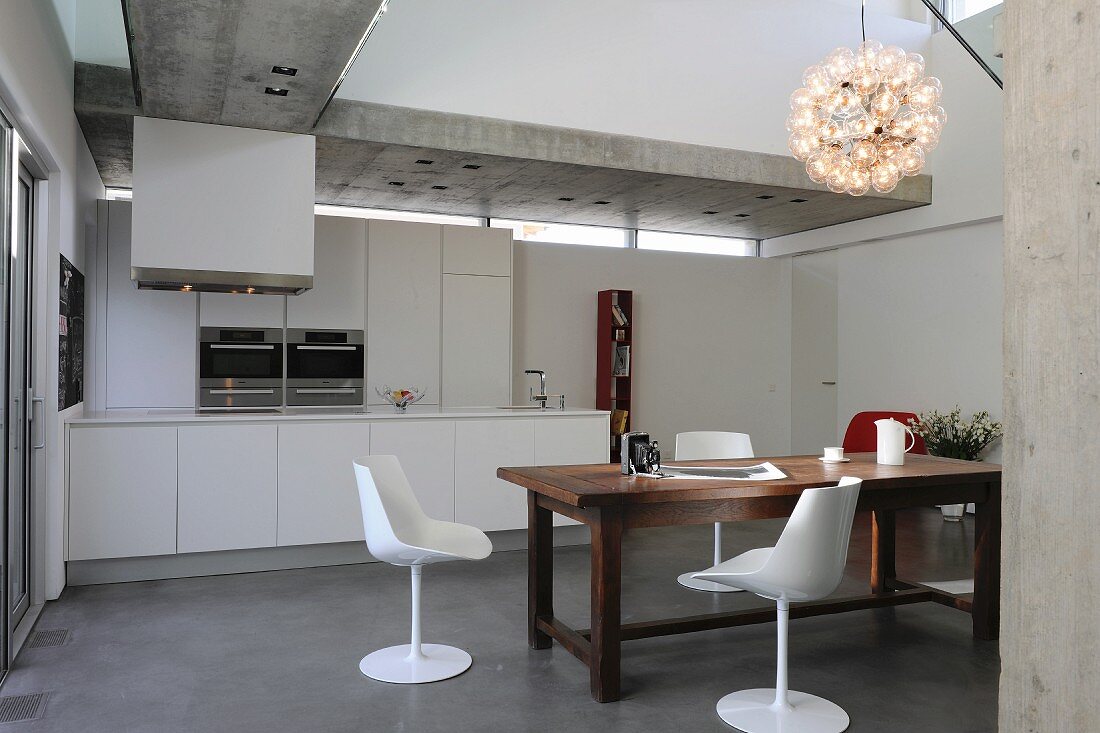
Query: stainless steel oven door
324	368
240	367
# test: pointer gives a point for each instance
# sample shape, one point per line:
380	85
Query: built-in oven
324	367
240	367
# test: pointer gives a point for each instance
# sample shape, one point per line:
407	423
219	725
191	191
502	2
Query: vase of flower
949	436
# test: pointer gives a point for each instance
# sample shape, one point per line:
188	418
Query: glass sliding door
8	163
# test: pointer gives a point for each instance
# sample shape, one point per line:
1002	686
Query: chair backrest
862	435
391	513
701	445
808	561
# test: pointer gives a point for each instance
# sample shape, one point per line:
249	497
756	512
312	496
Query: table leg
986	609
603	666
883	540
540	569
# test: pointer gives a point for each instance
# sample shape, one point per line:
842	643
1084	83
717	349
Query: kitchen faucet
542	397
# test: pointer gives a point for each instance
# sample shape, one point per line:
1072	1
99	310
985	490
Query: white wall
36	82
711	72
919	323
711	336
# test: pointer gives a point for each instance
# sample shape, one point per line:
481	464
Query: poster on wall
70	362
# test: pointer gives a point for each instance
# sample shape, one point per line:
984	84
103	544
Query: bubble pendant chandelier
865	118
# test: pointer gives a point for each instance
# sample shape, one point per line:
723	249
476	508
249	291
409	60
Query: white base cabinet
482	446
200	486
426	451
122	495
228	487
318	498
567	441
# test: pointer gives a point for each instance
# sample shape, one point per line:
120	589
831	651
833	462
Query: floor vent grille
19	708
48	637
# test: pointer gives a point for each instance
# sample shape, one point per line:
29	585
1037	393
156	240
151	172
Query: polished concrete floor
279	651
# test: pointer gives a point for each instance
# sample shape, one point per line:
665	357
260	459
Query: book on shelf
619	316
621	367
618	421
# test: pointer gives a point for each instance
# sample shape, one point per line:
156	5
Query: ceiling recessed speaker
798	201
601	203
277	91
710	212
742	216
766	196
422	161
284	70
471	166
440	188
566	198
397	183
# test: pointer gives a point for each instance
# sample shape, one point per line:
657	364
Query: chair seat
730	571
440	541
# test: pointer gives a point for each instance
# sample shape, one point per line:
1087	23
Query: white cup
834	454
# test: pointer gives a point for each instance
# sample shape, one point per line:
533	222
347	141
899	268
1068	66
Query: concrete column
1050	597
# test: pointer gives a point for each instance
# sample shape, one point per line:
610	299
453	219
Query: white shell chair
806	564
398	532
701	445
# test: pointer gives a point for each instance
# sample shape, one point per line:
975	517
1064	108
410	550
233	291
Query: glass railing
977	26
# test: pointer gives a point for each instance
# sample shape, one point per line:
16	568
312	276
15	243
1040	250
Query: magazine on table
760	472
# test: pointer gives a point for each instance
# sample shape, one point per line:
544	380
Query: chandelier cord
863	19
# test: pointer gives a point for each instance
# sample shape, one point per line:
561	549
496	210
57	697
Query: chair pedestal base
699	584
393	664
753	711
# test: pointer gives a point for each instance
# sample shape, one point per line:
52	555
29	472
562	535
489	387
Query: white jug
891	442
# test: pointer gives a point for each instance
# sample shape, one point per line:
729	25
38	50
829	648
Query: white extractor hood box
222	208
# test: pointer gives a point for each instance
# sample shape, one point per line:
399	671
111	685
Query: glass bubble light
863	119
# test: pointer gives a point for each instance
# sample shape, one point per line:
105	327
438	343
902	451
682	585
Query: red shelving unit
613	391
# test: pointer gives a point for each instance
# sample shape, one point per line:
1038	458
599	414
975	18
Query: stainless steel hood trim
157	278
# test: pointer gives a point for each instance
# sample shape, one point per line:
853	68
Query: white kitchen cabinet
241	310
122	492
570	441
426	452
338	297
228	487
403	307
482	446
318	498
477	341
151	339
477	250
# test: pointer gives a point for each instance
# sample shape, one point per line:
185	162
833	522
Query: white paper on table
760	472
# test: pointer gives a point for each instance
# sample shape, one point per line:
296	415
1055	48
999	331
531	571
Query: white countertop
294	414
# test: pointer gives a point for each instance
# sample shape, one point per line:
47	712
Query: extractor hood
221	209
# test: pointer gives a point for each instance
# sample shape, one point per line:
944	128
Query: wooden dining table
609	503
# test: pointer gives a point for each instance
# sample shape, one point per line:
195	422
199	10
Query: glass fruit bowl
400	397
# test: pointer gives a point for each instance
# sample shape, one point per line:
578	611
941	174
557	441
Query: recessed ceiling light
471	166
440	188
284	70
601	203
423	161
798	201
742	216
397	183
766	196
277	91
710	212
566	198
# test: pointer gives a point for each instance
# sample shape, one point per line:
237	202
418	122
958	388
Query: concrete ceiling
210	60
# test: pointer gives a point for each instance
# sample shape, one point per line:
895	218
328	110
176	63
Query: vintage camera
640	455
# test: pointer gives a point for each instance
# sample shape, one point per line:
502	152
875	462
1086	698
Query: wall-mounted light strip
347	67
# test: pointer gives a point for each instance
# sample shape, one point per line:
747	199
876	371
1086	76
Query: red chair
862	435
